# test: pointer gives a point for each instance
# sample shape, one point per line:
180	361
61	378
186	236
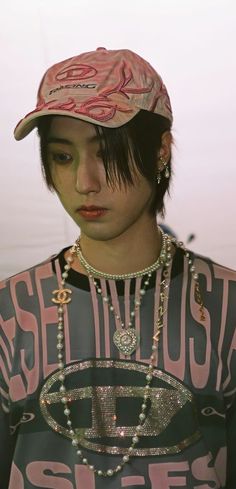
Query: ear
164	152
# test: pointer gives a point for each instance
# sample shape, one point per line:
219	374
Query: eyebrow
58	140
92	139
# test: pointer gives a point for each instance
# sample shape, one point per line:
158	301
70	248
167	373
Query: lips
91	212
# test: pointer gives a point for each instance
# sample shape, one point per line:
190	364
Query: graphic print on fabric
194	371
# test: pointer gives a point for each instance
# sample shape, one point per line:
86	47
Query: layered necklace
125	338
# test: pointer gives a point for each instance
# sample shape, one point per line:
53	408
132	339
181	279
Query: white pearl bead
74	442
126	458
135	439
142	416
64	400
85	461
100	472
110	472
66	412
91	467
79	452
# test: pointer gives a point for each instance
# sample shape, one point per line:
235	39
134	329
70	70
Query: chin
98	232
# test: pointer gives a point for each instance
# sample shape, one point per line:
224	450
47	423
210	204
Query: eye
61	158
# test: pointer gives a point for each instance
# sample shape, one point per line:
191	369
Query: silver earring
167	173
158	177
165	167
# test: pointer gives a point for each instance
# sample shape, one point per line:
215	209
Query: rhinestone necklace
62	298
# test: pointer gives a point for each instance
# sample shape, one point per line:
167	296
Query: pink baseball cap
102	87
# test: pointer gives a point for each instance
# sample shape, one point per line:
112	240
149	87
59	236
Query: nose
87	176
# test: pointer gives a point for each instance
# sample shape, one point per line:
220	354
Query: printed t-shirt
188	438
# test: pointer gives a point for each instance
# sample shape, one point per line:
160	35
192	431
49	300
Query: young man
118	354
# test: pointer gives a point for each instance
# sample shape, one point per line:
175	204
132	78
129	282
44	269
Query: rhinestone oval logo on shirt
104	397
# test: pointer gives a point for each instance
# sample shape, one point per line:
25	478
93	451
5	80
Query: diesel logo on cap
76	72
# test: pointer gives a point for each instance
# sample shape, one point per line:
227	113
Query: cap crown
104	87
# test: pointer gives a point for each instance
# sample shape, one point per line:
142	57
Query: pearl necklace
63	298
161	260
127	339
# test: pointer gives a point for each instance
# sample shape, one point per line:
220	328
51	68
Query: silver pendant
126	340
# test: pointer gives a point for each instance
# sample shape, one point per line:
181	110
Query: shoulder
217	270
29	281
217	282
32	269
205	265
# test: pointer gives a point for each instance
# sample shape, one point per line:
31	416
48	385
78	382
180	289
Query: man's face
102	212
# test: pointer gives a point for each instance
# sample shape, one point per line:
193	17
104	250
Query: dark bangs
126	151
132	147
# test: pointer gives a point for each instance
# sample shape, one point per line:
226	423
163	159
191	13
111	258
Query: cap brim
26	125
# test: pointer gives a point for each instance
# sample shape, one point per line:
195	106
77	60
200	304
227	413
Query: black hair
134	146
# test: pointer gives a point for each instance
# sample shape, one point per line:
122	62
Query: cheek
62	179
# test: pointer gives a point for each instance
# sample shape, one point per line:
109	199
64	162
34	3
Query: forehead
72	129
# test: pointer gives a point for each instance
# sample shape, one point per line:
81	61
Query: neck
122	255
